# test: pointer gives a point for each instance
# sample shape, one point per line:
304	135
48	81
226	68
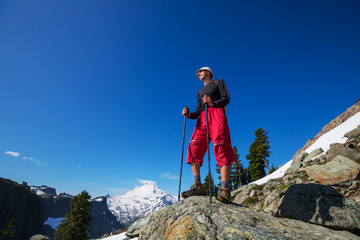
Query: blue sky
91	92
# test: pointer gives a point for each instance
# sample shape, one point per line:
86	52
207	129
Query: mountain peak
149	189
147	182
142	201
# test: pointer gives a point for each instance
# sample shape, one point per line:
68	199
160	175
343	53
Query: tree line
259	152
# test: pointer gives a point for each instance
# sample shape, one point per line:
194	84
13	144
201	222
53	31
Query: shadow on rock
321	205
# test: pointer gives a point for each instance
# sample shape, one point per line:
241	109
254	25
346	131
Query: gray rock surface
339	149
196	218
353	134
293	168
340	169
322	205
135	229
299	157
313	154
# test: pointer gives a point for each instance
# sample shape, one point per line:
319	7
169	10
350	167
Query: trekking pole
208	142
182	156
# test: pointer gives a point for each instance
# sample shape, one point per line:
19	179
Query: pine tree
247	176
236	171
272	169
239	175
217	169
9	232
77	219
214	188
258	154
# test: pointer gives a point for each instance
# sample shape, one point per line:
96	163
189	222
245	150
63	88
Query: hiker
215	94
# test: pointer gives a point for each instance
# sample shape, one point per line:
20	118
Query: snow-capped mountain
142	201
43	190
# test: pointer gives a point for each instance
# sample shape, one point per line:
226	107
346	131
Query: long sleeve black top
218	93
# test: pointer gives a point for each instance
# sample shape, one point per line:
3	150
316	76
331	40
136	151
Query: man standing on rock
216	95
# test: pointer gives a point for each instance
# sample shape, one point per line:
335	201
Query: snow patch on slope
53	222
120	236
277	174
336	135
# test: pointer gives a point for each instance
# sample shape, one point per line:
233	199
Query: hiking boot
197	189
224	195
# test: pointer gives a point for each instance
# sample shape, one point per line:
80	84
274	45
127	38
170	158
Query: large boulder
39	237
341	169
197	218
321	205
339	149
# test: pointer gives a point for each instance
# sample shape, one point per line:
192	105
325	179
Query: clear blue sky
91	92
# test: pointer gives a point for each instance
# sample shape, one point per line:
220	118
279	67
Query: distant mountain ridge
139	202
108	213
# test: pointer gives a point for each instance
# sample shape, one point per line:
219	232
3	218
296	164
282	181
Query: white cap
207	69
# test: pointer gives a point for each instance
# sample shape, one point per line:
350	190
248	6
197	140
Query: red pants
219	134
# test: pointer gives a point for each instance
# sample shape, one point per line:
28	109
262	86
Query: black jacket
218	93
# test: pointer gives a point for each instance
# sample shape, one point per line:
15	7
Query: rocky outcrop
320	188
333	124
43	190
19	203
197	218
